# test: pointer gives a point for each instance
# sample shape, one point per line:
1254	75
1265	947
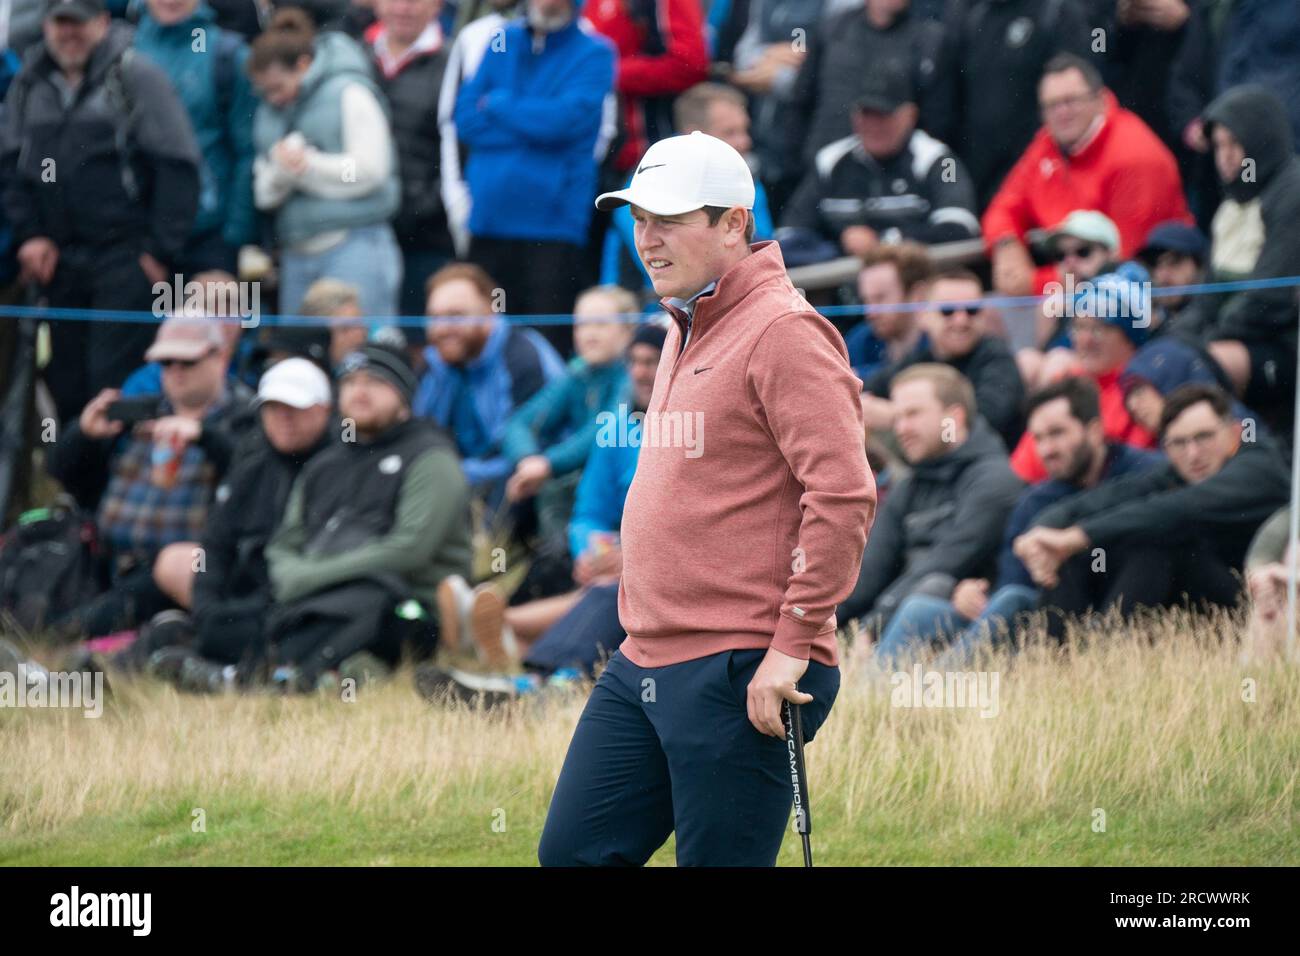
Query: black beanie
382	361
648	333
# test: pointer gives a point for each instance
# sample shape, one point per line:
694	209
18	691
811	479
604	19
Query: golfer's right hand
773	683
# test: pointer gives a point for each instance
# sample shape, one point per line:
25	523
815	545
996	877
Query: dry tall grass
1168	733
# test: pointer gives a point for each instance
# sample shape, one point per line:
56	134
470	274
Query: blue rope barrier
564	318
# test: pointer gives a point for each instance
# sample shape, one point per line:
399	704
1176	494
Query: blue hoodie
530	121
225	142
560	422
598	504
474	401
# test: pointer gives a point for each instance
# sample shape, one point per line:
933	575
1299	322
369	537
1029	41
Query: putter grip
798	774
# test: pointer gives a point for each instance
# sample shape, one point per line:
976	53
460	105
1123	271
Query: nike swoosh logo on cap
655	166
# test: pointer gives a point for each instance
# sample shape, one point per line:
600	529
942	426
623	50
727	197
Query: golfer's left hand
774	682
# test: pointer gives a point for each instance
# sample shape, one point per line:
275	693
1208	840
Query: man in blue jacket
479	370
531	118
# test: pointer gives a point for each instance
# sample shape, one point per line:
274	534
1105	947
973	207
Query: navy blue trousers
668	749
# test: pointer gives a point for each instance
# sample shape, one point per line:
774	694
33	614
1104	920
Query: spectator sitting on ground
710	108
221	583
1252	336
374	521
216	93
890	275
1164	365
1090	154
955	327
1065	425
1175	534
326	166
340	303
943	522
1175	255
572	629
152	485
552	434
886	181
1102	344
1085	244
220	303
1267	568
480	369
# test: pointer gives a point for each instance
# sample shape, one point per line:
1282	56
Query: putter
798	778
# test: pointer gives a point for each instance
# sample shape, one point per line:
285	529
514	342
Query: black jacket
421	221
992	371
829	82
998	49
66	177
1257	118
944	519
923	193
1222	512
247	508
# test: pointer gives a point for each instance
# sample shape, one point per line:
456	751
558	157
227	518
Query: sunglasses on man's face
948	311
1078	252
183	363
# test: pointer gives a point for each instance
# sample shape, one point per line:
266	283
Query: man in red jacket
742	530
661	53
1090	154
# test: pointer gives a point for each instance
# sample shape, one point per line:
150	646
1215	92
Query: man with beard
374	522
1065	424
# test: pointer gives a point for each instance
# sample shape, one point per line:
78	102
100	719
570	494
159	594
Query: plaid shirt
137	517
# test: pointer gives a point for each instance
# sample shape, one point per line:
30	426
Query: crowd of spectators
435	454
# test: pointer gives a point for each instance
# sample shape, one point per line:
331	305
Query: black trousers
1141	576
93	354
539	278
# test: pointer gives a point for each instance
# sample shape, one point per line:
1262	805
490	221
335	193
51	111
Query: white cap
683	173
295	381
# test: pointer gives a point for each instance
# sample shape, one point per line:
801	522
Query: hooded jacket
225	140
317	114
1258	119
94	205
1124	171
746	520
945	518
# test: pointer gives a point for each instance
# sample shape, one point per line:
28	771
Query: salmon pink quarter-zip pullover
745	524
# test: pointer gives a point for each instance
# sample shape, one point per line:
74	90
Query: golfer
743	528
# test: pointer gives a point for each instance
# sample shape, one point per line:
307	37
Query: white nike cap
296	382
683	173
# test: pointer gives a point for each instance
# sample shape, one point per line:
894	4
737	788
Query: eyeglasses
1078	252
1180	445
1069	102
948	311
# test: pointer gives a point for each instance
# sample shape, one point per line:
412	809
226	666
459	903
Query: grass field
1184	755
